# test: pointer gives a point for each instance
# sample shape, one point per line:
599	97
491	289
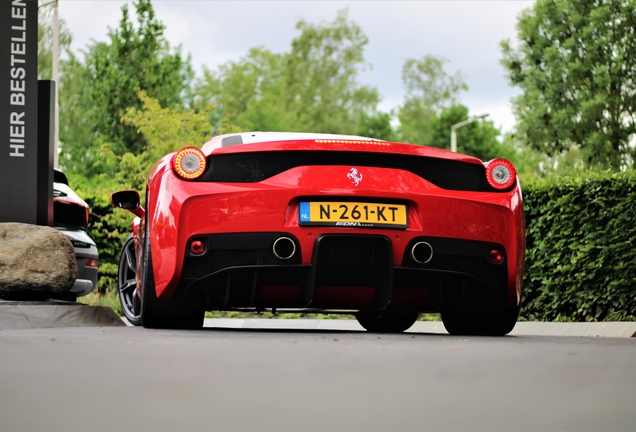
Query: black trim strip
254	167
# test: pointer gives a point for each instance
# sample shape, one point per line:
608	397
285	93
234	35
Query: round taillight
189	163
500	174
496	256
197	247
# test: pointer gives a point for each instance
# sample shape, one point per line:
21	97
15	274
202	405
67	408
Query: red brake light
189	163
496	256
92	262
197	247
500	174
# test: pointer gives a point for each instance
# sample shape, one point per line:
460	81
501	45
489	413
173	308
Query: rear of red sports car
308	222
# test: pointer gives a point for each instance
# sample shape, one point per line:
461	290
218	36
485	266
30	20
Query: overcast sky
467	33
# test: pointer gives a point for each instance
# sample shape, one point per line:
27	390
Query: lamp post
458	125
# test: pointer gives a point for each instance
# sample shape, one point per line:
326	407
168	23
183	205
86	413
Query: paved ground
53	314
16	315
126	378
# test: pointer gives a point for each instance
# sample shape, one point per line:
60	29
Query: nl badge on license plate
353	214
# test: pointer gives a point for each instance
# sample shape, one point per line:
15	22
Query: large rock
35	260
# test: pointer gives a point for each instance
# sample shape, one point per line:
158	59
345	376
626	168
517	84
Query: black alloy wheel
130	302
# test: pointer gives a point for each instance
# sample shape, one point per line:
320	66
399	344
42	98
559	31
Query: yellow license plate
353	214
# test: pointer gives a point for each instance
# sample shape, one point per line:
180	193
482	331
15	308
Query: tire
178	312
153	312
500	324
127	283
387	322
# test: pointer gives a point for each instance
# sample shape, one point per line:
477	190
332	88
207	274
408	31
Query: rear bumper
347	272
85	250
180	212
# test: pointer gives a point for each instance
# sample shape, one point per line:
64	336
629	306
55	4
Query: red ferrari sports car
297	222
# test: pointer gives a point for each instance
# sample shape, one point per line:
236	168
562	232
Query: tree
76	112
377	125
45	41
428	89
477	139
528	162
166	130
311	88
321	72
249	91
137	57
576	66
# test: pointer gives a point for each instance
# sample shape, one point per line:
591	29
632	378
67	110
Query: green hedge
581	248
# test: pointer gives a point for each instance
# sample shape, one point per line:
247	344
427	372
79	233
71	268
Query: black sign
19	114
46	128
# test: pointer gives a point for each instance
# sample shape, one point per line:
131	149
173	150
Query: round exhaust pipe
422	252
284	248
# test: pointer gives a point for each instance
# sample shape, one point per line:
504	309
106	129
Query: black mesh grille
258	166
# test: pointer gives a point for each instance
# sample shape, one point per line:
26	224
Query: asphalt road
124	378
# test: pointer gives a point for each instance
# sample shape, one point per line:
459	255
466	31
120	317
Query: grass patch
430	317
269	315
109	298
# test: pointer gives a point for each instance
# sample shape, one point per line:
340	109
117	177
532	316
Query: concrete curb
594	329
51	314
597	329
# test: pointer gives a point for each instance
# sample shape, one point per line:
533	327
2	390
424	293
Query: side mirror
128	200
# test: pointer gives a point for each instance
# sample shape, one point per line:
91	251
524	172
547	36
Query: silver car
70	217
